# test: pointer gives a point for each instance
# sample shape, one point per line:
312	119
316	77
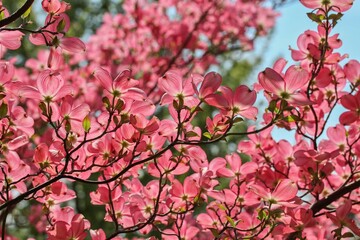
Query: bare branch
13	17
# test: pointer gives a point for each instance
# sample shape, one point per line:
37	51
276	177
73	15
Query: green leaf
176	105
195	109
272	106
26	14
116	120
231	221
215	232
191	134
106	102
315	17
61	26
42	106
119	105
207	135
337	231
3	110
124	118
336	17
262	214
67	126
283	104
86	124
289	119
238	119
348	235
181	102
221	206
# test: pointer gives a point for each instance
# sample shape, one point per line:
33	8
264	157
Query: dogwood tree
85	118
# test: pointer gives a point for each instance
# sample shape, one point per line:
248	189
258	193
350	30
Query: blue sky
293	21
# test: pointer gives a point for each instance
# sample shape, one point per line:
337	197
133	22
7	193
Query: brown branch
323	203
13	17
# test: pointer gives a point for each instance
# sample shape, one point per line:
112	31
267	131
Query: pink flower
68	225
352	103
175	88
74	114
55	6
337	5
50	87
287	87
238	102
352	71
284	191
57	193
237	169
122	85
211	219
182	194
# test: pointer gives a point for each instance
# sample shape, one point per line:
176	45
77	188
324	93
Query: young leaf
207	135
26	14
67	126
86	124
3	110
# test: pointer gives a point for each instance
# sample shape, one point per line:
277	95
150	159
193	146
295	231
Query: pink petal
285	190
279	65
29	92
171	83
244	96
11	39
176	188
104	77
295	78
248	167
72	44
211	83
349	102
191	232
49	83
299	99
311	3
348	117
271	81
18	142
64	91
80	112
190	187
343	210
224	172
352	71
250	113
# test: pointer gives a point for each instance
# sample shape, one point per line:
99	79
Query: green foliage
240	71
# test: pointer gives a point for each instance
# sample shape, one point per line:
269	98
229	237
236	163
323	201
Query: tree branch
333	197
13	17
